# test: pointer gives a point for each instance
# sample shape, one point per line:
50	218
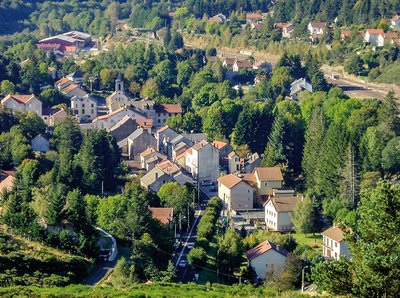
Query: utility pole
188	221
102	188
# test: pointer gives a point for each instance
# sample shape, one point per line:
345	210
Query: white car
190	245
182	264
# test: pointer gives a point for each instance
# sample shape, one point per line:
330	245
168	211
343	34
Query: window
83	111
75	112
92	105
158	121
335	244
83	105
92	111
265	183
169	114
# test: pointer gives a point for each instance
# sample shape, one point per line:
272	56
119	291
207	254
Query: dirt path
356	87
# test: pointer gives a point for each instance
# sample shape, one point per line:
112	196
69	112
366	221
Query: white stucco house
23	103
266	257
278	211
235	192
317	28
333	244
109	120
203	162
395	22
233	163
84	107
375	37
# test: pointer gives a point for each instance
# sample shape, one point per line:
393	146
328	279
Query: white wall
333	249
237	198
270	260
205	163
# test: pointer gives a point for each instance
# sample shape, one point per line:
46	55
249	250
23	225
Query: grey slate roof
123	128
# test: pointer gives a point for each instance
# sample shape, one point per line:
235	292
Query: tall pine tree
274	154
312	148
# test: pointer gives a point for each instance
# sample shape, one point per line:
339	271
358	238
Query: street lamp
302	278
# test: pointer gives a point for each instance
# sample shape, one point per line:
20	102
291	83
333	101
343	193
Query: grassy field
153	290
390	74
311	240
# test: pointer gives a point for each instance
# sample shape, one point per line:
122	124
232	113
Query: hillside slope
23	262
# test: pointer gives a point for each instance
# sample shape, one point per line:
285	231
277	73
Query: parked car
190	245
206	183
182	264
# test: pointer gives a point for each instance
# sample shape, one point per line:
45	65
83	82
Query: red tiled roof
164	215
285	204
168	108
200	145
334	233
62	81
375	31
263	248
271	174
7	183
232	154
230	61
144	123
230	180
319	25
147	152
244	64
346	33
24	99
253	16
283	25
165	127
218	144
392	35
251	178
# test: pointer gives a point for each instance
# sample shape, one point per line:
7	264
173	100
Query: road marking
190	233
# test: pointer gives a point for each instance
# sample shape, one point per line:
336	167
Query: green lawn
314	241
390	74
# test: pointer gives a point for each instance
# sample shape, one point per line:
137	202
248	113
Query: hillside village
131	159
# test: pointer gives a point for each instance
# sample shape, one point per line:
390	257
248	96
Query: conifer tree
389	113
312	148
331	161
274	152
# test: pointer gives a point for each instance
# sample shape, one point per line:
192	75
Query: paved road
186	274
100	272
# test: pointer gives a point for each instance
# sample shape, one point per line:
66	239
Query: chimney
156	176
